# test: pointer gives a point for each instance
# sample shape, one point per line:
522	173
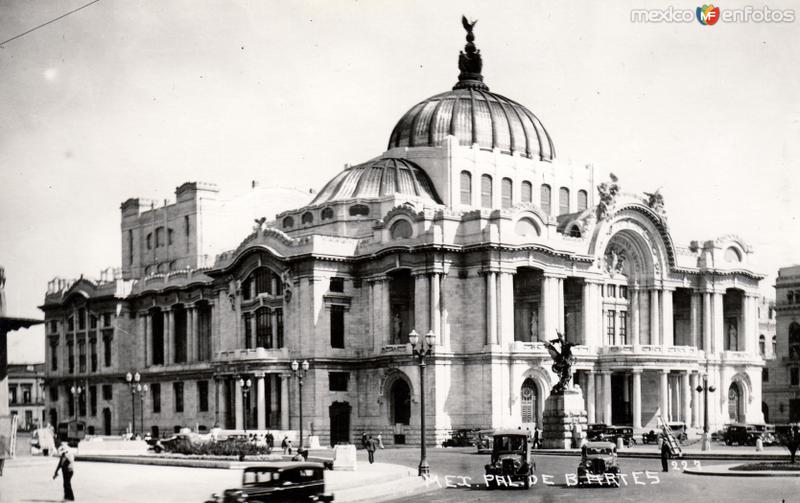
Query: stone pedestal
561	414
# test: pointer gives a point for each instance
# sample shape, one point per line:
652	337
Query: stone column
261	401
586	300
606	396
667	335
284	401
590	396
696	404
505	309
191	329
718	324
238	404
169	335
371	314
655	324
707	323
634	328
694	319
386	323
637	398
686	393
663	393
748	337
421	307
144	321
559	283
491	307
435	300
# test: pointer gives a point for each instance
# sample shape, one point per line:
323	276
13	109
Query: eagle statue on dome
467	25
469	60
563	360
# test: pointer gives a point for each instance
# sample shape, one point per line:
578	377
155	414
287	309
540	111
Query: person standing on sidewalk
380	440
66	463
665	455
372	446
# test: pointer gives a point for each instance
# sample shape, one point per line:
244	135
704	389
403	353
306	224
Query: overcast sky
131	98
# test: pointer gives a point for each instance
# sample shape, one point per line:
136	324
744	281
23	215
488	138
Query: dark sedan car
285	482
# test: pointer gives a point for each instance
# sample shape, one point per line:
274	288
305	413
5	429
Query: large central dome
474	116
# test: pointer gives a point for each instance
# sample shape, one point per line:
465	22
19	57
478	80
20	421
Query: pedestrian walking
363	440
380	440
666	452
66	463
372	446
285	443
537	438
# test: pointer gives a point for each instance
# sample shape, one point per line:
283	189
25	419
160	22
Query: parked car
612	433
651	437
511	458
484	440
741	434
460	438
678	430
71	432
595	432
285	482
597	460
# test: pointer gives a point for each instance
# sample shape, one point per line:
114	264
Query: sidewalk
693	451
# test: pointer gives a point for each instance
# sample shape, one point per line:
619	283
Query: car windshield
508	444
594	451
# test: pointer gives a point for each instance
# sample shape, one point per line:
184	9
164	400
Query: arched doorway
339	413
735	404
399	408
106	421
529	402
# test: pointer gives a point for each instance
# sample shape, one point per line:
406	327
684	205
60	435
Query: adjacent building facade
26	394
782	374
468	227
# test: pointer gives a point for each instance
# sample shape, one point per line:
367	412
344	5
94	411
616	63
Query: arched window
563	201
526	227
466	187
583	200
529	402
486	191
506	188
545	199
359	210
327	214
575	231
762	344
150	241
732	255
159	236
288	222
527	192
307	218
401	230
261	280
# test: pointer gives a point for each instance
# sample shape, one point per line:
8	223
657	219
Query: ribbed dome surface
474	116
381	177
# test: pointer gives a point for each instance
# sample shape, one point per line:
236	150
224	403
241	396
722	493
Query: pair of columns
279	385
192	334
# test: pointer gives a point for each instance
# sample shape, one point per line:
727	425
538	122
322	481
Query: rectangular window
337	381
71	324
764	375
107	351
248	330
93	322
53	356
82	319
611	318
337	326
177	393
794	376
611	291
623	327
107	392
12	395
263	328
336	285
466	188
155	393
26	393
71	353
93	400
279	326
202	396
82	402
82	357
623	292
54	327
204	335
53	393
106	320
93	355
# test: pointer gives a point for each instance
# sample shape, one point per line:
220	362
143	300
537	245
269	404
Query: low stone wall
115	447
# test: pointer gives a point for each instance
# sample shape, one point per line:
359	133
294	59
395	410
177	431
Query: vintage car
741	434
285	482
71	432
651	437
483	441
460	438
595	432
598	464
511	459
612	433
678	430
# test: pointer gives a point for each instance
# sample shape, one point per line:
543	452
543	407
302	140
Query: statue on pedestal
563	360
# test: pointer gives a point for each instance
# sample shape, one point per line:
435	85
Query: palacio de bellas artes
469	233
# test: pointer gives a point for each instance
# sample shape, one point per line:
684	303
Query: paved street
671	487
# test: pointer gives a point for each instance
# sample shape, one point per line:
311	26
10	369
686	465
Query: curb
686	455
725	471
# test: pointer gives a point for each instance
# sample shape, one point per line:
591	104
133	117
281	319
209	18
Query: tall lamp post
142	389
421	353
300	376
133	382
705	389
245	384
76	391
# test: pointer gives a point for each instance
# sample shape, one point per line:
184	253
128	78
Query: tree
791	440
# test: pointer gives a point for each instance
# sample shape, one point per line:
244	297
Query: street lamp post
245	385
300	376
76	391
421	354
705	389
133	382
142	389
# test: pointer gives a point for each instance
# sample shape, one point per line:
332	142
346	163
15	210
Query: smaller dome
385	176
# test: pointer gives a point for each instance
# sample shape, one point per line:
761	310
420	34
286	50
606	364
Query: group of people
371	444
